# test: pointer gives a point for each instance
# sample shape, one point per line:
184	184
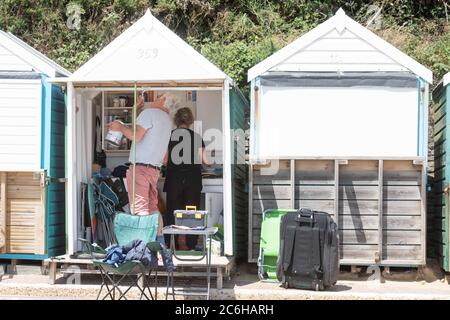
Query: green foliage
233	34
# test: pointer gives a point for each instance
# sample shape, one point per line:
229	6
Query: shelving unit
111	113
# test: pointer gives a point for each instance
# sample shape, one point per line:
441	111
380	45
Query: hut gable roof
147	51
23	57
340	44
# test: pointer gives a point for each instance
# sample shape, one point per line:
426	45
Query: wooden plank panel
26	220
371	222
314	172
390	237
358	222
401	173
3	208
390	252
277	172
272	192
317	205
380	209
318	192
358	252
360	207
23	179
402	222
23	192
401	193
359	172
259	206
408	252
356	192
368	222
353	253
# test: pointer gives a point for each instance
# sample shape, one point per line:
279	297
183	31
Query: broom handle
134	147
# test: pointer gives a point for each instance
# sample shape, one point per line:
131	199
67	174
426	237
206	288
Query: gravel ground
405	284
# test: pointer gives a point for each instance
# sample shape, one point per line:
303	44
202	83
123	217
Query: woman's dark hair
183	116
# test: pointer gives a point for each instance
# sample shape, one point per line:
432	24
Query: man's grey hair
172	103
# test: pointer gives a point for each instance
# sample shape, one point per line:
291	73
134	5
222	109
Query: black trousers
182	192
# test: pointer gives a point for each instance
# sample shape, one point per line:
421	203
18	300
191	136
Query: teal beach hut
32	153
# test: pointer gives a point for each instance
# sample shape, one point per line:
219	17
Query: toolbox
191	217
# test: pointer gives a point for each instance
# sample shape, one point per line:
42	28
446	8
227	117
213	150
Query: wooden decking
221	265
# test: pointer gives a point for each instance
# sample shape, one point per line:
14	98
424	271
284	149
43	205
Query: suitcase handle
305	216
194	208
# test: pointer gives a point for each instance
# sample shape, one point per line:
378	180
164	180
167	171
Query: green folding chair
270	243
127	228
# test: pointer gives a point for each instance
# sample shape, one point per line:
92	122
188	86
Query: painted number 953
147	53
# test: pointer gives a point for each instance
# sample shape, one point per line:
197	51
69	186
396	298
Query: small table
206	233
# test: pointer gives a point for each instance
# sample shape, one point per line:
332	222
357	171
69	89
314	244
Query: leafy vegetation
234	34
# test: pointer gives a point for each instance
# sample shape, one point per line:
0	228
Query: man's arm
140	131
128	132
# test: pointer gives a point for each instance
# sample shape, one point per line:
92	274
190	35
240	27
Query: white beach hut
156	60
32	124
346	115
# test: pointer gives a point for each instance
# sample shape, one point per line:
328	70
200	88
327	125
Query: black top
184	160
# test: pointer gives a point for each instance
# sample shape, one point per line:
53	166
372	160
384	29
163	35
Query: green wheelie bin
269	244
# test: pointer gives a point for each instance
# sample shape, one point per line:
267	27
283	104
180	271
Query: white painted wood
208	110
340	44
252	144
227	161
318	67
27	57
337	122
148	49
20	134
446	79
11	62
340	57
71	185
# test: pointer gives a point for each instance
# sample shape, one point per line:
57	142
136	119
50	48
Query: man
153	129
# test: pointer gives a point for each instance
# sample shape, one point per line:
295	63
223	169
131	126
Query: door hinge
46	180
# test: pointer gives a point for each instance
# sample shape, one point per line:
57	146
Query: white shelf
118	108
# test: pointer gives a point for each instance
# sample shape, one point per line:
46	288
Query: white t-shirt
153	146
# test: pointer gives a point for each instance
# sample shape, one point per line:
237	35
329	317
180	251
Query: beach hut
339	122
32	170
151	57
439	217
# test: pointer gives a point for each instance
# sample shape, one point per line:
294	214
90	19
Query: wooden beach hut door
28	191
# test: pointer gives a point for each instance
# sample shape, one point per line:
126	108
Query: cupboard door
25	213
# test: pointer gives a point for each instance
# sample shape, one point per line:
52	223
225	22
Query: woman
185	156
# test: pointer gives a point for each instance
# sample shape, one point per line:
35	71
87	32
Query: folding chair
127	228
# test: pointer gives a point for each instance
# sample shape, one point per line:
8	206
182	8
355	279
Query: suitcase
190	217
309	250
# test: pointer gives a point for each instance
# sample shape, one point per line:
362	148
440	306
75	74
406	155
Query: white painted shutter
354	121
20	125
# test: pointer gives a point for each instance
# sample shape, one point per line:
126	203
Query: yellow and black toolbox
191	217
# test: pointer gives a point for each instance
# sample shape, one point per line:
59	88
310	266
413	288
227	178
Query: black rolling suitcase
309	250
